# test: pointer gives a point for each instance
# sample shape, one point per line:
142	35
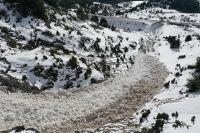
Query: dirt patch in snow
91	107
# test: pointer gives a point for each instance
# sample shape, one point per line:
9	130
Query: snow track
66	111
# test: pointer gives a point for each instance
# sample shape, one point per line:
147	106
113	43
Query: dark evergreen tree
95	19
54	3
104	23
31	7
187	6
81	14
194	83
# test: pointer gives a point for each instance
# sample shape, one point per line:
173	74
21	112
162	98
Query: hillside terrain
128	66
64	53
175	108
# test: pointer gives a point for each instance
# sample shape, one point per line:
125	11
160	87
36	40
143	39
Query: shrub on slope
194	83
174	42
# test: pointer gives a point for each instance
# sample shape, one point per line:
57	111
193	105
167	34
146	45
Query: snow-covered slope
67	53
181	107
132	25
64	53
129	5
175	99
160	14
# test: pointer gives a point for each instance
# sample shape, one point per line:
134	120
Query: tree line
37	8
30	7
186	6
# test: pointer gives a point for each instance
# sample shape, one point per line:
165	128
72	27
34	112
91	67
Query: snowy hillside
129	5
102	74
63	53
177	108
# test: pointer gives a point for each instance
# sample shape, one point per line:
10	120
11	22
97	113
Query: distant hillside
37	7
187	6
68	3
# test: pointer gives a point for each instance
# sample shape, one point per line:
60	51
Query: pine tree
188	6
194	83
104	23
31	7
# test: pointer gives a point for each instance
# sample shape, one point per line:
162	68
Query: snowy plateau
70	75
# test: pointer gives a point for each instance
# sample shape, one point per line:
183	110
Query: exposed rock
166	85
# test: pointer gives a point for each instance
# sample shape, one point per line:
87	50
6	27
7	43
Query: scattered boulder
166	85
